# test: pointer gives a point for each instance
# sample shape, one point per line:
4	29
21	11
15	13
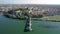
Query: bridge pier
28	26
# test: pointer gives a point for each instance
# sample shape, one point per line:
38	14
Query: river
15	26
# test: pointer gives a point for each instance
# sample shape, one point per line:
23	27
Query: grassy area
49	18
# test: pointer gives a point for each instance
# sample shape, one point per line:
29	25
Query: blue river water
15	26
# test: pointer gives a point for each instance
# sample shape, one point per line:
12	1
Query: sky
29	1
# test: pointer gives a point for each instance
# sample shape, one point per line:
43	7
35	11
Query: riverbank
55	18
23	16
51	18
37	19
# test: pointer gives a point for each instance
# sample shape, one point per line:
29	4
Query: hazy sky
29	1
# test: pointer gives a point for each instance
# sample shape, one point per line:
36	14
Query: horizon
29	4
48	2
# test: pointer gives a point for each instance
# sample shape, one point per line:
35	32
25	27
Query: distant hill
29	5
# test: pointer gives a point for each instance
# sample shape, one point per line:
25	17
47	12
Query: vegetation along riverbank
21	13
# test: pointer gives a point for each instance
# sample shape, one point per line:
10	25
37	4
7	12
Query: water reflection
49	26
